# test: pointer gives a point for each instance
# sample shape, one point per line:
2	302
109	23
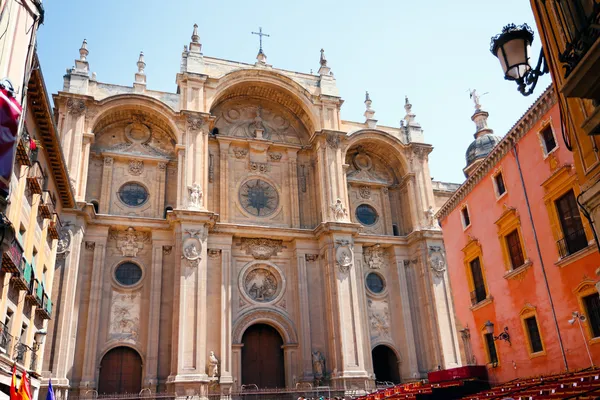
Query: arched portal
120	371
385	364
262	357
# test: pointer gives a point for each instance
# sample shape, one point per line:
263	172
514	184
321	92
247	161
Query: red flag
13	384
10	111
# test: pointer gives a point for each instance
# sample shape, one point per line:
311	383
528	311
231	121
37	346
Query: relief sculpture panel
125	316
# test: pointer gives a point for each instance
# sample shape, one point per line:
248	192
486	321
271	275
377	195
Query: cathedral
237	233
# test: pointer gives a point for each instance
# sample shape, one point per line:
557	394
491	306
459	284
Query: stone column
105	194
444	308
76	154
346	318
414	202
162	177
189	354
303	302
62	327
97	242
289	361
155	275
408	335
236	357
224	180
293	187
226	328
88	139
180	177
387	211
331	177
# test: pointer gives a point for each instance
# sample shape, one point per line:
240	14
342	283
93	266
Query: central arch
120	371
262	357
385	364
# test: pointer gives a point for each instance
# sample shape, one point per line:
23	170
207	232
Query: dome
481	147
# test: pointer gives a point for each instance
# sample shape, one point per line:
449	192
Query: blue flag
50	395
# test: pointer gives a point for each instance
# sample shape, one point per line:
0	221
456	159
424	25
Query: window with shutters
499	187
531	328
574	238
490	347
548	139
466	219
515	251
476	274
589	306
511	239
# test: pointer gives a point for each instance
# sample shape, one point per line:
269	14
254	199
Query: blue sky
433	51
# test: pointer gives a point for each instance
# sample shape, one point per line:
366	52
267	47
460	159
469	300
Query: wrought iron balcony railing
11	259
47	205
36	178
572	243
580	22
20	352
5	338
478	295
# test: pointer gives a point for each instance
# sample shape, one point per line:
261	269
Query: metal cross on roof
260	35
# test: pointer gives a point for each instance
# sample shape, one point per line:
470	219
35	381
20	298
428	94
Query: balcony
572	243
54	226
18	278
47	205
45	310
11	260
36	178
478	295
24	154
5	338
31	295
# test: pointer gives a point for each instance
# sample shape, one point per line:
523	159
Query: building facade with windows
39	191
521	256
238	232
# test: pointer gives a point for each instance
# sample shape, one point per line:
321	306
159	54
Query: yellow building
40	189
571	44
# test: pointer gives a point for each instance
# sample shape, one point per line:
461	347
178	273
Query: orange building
521	257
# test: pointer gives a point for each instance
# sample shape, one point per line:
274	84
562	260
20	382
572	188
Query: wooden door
262	357
120	372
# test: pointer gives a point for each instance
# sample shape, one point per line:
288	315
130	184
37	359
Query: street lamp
579	318
38	338
489	328
512	48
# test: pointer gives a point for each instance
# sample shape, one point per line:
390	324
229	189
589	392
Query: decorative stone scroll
343	255
240	152
375	256
259	167
167	250
195	124
130	241
275	156
261	248
214	253
437	261
311	257
75	106
333	140
90	245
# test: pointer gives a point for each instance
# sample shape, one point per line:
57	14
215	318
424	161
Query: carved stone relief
259	167
261	248
375	256
261	285
75	106
130	241
214	253
340	213
311	257
136	167
90	245
240	152
344	255
365	192
302	177
192	251
437	261
367	169
64	241
211	167
195	124
333	140
379	318
275	156
125	316
167	250
194	197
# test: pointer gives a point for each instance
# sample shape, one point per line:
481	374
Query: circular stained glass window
366	214
128	274
259	198
133	194
375	283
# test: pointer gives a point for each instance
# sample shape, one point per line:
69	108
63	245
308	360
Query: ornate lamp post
489	328
512	47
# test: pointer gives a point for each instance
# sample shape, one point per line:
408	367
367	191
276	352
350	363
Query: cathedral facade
237	232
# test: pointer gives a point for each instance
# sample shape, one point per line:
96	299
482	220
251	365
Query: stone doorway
262	357
385	364
120	372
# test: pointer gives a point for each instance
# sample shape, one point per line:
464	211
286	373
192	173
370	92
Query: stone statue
339	212
431	221
213	365
191	252
195	196
318	364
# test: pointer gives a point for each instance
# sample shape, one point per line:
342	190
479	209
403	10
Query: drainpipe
537	246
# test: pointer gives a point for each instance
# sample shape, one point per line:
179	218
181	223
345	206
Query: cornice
540	107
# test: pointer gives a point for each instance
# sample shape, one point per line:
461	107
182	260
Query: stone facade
237	198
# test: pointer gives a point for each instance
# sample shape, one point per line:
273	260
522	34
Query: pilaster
293	186
331	177
223	179
162	177
303	308
107	171
88	139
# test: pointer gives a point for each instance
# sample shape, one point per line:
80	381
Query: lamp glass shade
512	47
39	337
489	327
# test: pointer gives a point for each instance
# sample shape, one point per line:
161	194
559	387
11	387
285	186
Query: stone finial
83	51
324	69
141	64
409	117
369	112
195	36
323	60
261	57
